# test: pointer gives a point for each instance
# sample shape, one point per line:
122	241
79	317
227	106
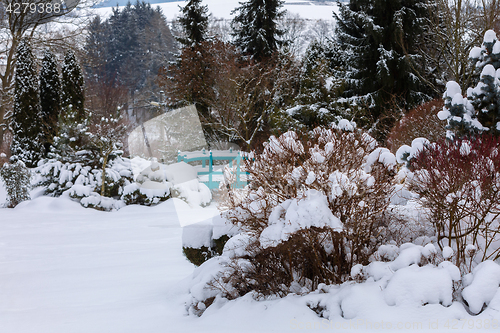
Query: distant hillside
114	3
307	9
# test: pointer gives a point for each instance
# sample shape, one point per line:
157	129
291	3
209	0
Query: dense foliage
194	21
26	122
256	28
380	39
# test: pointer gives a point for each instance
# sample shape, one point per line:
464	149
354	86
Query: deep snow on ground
64	268
222	9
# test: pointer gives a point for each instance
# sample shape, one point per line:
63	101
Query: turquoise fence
212	175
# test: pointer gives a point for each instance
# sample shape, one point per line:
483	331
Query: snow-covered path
68	269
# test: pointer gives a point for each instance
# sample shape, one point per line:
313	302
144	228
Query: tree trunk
2	123
103	176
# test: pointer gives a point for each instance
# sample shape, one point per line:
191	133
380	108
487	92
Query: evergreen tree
255	27
16	178
50	98
485	97
72	87
26	124
73	119
380	39
194	21
130	47
480	111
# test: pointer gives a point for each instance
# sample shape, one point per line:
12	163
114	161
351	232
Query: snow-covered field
222	9
64	268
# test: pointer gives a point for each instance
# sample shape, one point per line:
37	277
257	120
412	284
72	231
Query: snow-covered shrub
410	275
16	178
405	153
193	192
146	194
459	184
419	122
315	208
58	177
151	187
84	183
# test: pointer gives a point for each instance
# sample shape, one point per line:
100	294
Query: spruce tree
480	111
485	97
26	124
380	39
255	27
194	21
72	87
73	119
50	98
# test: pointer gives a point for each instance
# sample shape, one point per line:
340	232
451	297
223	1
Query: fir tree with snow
380	40
16	178
72	86
485	97
26	124
50	98
194	21
73	118
255	27
480	111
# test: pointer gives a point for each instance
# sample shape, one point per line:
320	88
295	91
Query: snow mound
419	286
483	287
180	173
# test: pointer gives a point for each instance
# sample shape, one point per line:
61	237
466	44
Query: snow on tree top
488	70
475	53
490	36
452	88
496	47
457	99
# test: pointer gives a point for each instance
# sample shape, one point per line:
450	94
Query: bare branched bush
420	122
459	183
341	175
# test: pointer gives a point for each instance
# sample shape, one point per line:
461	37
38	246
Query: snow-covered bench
212	175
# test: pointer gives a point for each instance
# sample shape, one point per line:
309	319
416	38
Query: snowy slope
222	8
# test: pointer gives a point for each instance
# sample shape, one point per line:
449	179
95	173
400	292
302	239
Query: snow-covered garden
67	268
363	192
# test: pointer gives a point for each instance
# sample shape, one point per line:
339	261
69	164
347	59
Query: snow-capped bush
406	153
459	184
58	177
151	187
315	208
416	276
83	182
16	178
